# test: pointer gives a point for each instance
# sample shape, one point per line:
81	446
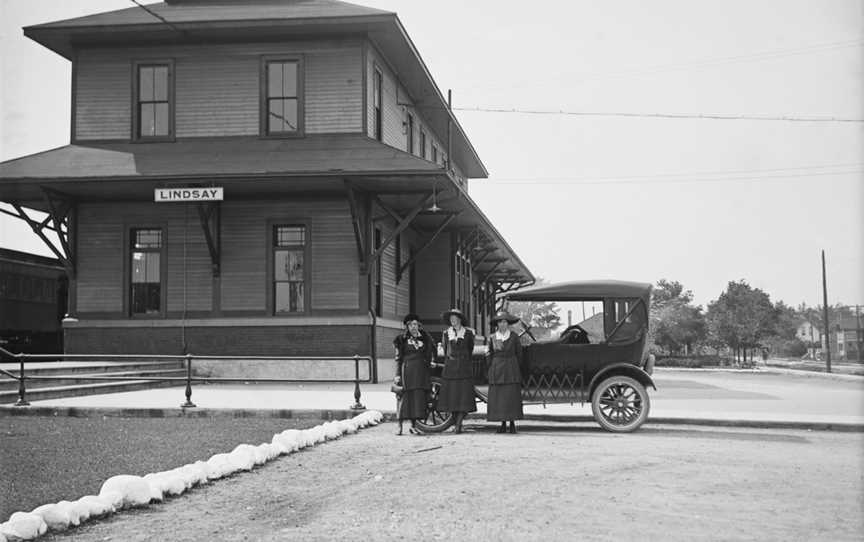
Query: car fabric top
584	290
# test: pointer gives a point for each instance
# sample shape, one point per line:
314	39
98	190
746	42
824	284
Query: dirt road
550	482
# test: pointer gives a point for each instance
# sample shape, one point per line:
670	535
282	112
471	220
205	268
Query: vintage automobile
602	359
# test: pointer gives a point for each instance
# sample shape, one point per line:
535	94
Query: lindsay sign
188	194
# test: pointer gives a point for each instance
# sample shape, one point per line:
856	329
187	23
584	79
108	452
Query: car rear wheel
435	421
620	404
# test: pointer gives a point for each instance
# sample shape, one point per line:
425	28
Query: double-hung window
145	292
282	100
378	103
422	144
154	97
289	269
410	133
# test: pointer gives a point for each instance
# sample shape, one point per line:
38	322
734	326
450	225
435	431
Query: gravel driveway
550	482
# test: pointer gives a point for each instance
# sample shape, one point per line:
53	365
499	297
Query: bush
690	362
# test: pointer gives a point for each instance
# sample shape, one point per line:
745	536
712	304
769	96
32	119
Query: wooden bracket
400	227
60	220
358	224
446	222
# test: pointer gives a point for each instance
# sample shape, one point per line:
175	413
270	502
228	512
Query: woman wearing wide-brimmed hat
505	379
457	389
415	351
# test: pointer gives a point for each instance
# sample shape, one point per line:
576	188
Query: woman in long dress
505	379
457	389
415	351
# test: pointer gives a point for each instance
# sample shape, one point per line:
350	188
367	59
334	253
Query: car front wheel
620	404
435	420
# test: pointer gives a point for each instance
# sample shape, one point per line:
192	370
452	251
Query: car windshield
592	321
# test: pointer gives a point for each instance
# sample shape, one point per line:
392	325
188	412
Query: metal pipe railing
188	379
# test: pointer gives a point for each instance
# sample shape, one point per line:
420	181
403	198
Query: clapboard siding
100	259
217	87
396	104
333	267
101	254
433	272
103	103
217	96
334	103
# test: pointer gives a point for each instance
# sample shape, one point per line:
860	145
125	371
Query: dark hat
410	317
503	315
457	312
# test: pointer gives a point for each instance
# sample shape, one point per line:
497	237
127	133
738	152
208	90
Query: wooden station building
257	177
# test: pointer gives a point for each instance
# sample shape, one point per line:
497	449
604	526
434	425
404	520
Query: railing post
357	405
22	392
188	403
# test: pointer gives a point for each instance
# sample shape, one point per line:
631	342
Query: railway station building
264	177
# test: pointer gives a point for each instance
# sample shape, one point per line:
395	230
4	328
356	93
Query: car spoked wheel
435	421
620	404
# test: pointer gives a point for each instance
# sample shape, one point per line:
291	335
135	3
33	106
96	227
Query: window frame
422	143
434	156
271	258
263	111
172	104
163	270
378	103
409	143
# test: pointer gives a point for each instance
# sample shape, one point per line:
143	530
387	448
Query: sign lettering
163	195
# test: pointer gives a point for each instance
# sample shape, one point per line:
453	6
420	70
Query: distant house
847	338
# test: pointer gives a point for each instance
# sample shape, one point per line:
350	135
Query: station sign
197	193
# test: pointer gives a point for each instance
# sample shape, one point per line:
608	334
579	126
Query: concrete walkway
763	398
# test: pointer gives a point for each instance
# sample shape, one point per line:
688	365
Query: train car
32	302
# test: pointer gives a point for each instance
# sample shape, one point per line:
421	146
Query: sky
580	195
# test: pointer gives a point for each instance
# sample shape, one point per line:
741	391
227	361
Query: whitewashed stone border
127	491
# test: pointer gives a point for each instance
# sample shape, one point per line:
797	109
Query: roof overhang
249	168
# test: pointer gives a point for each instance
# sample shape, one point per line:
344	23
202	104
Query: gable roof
204	21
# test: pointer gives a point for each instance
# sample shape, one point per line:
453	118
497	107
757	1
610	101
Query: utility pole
825	317
858	337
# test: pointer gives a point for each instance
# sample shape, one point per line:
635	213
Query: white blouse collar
502	336
453	335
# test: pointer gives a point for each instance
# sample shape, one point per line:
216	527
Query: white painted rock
242	457
96	506
23	526
219	466
59	516
134	489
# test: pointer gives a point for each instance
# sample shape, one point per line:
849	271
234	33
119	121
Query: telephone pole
825	317
858	337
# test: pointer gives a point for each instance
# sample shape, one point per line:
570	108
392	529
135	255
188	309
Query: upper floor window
422	143
282	100
434	153
378	103
154	95
410	133
289	268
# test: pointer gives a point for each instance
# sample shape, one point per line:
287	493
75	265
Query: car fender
626	369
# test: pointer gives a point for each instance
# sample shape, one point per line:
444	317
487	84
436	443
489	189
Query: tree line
743	319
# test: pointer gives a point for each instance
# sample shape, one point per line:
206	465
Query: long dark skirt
457	395
412	405
505	403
